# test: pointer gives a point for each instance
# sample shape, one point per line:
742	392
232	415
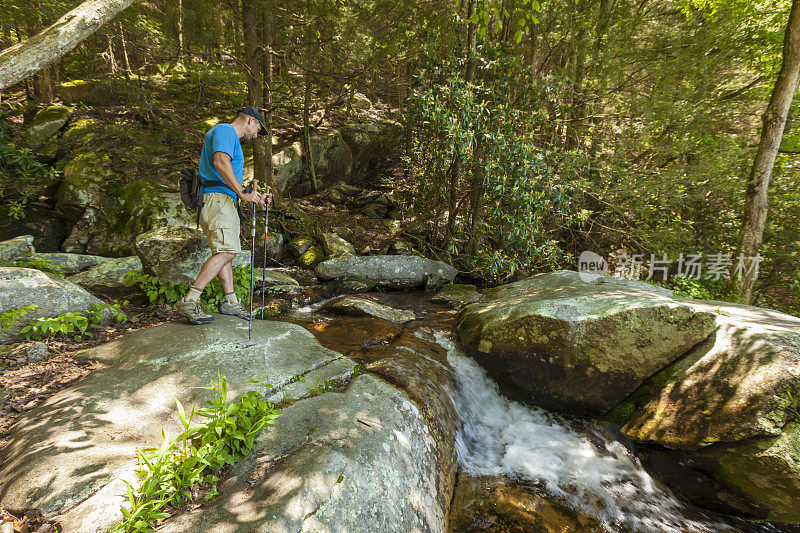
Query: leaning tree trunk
774	120
44	48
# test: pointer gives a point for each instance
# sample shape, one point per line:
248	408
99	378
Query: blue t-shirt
221	138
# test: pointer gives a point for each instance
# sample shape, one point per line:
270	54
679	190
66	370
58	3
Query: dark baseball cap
253	112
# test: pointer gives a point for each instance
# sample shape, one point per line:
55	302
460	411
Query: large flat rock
68	457
578	346
362	460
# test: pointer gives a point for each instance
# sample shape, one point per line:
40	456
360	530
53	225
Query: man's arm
222	162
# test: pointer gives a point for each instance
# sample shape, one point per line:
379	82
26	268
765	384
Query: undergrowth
186	469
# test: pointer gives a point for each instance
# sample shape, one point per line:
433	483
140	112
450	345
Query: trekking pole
264	264
252	257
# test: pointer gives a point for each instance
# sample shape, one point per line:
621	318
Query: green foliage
75	324
21	175
483	133
181	469
794	406
213	295
12	317
156	291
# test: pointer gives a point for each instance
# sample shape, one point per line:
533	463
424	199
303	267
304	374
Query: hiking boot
193	311
234	309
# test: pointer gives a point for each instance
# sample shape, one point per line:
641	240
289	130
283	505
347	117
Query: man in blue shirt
222	160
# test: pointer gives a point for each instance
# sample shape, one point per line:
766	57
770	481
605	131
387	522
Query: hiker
222	160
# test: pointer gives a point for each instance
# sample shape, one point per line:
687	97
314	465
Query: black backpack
191	185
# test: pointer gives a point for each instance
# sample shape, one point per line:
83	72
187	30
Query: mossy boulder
16	247
176	253
369	143
311	257
300	245
92	92
109	276
576	346
71	264
741	382
88	182
45	124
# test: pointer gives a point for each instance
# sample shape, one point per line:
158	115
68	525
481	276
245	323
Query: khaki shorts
220	222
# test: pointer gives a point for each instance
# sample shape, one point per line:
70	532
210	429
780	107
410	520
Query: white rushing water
502	437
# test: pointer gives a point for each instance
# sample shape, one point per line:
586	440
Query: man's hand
255	197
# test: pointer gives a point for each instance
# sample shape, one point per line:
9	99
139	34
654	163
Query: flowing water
544	454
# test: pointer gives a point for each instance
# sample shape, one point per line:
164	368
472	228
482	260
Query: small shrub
12	317
75	324
187	467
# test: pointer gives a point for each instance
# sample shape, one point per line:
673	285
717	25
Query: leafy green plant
12	317
188	466
21	174
156	291
75	324
794	407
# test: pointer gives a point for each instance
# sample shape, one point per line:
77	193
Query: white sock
231	298
193	295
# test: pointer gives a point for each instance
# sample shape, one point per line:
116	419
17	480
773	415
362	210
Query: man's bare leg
225	276
214	267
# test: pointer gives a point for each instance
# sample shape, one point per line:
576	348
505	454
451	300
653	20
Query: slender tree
774	121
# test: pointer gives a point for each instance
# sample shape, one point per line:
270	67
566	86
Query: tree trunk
266	72
112	61
308	155
774	121
126	61
181	57
253	74
44	48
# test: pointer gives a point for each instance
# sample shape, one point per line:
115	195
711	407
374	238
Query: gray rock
369	143
336	246
16	247
176	254
389	271
68	457
458	295
45	124
53	295
346	189
332	161
355	306
109	275
578	346
732	402
36	352
273	277
276	245
73	263
336	462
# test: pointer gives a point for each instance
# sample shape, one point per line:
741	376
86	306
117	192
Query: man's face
253	127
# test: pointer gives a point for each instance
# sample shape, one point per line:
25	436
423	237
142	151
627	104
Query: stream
519	468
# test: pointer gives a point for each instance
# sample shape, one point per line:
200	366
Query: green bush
182	469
